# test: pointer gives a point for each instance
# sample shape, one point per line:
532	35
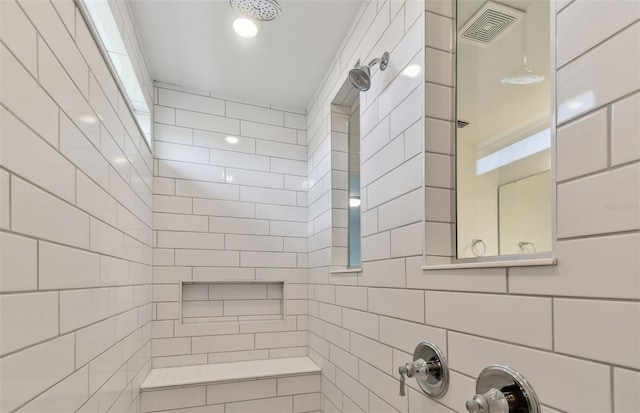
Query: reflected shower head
360	75
262	10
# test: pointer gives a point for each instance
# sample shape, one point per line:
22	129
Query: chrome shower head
263	10
360	75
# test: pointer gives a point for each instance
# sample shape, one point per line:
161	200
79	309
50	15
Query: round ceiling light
522	77
245	28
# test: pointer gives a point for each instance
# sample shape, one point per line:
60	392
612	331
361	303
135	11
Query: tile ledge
532	262
227	372
346	271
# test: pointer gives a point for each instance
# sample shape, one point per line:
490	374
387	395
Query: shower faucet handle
429	367
418	367
501	389
493	401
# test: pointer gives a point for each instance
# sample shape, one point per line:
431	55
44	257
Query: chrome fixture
501	389
429	367
360	75
478	242
262	10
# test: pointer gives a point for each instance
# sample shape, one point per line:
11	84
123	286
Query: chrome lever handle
402	383
405	371
429	367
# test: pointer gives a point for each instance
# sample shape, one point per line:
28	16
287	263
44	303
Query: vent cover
461	124
488	24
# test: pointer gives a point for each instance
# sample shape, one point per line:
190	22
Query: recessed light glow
412	71
245	28
232	140
354	202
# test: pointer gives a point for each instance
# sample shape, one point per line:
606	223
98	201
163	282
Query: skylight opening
107	30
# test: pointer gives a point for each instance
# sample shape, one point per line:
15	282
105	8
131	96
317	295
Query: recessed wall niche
232	301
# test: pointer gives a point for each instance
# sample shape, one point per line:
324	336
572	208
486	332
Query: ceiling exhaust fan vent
461	124
489	23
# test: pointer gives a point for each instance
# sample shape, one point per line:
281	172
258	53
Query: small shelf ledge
533	262
346	271
228	372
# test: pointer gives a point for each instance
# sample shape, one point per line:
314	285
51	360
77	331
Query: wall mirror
504	129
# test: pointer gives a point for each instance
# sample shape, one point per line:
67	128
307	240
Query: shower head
263	10
360	75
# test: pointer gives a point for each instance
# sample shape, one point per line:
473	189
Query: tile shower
106	244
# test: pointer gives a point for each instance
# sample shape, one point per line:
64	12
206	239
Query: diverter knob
502	389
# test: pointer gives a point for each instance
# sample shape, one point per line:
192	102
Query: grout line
612	388
597	45
609	147
553	324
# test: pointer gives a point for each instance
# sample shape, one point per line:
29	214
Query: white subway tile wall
77	213
363	326
231	205
242	192
230	302
297	394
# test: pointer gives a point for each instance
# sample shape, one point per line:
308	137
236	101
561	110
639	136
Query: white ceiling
497	114
191	43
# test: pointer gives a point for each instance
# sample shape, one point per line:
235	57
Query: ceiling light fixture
261	10
245	28
232	140
354	202
523	76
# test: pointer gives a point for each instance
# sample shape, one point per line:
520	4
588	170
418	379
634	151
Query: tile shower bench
287	385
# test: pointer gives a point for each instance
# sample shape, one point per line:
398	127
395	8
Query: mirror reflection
503	98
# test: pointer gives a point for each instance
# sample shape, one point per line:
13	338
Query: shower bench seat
287	385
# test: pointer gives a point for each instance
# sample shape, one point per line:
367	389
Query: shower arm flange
384	61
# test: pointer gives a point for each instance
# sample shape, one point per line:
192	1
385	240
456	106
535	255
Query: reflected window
503	139
345	180
355	259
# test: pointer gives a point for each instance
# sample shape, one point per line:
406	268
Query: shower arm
384	61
